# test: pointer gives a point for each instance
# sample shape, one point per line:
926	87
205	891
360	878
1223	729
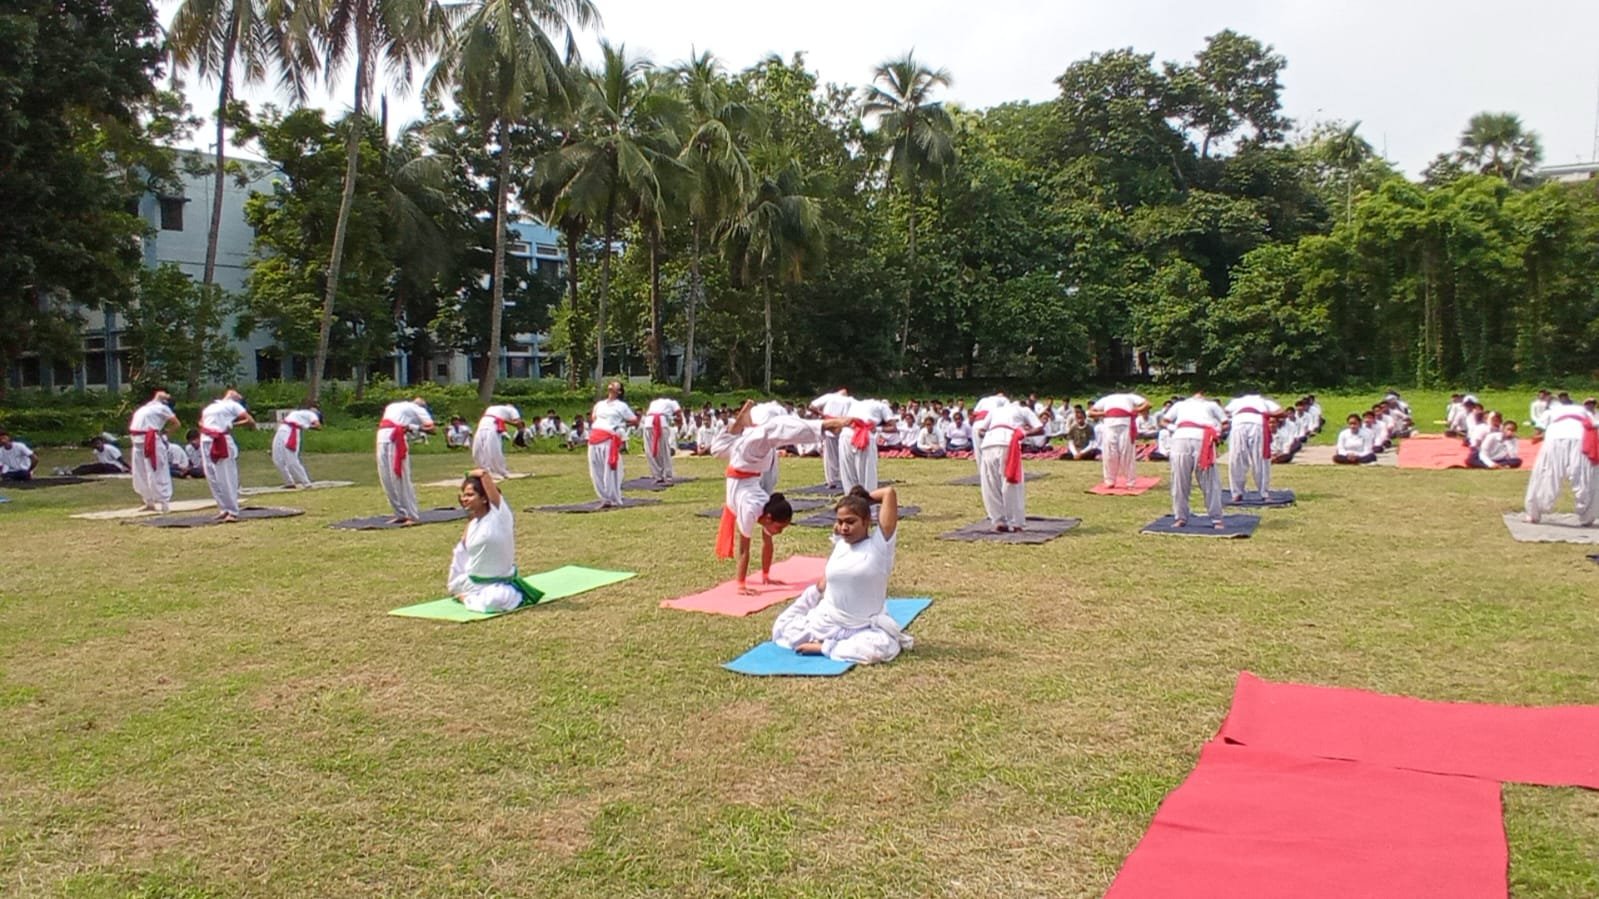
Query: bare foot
228	518
1180	523
747	591
1238	497
1219	525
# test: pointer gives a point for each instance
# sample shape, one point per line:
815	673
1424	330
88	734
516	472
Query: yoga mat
1237	526
40	483
797	573
798	504
824	490
1251	824
1549	745
1139	485
1253	500
560	583
200	521
628	502
383	523
1556	527
769	659
649	484
1432	452
182	505
973	480
314	485
4	499
1036	530
456	482
825	519
1322	455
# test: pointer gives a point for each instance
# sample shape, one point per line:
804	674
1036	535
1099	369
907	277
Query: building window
172	213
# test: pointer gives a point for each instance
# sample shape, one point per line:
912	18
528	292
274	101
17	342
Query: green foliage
174	332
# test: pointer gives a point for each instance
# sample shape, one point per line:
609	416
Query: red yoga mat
1550	745
1432	451
1139	485
796	572
1251	823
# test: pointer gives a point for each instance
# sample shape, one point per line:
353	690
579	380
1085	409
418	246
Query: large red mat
1434	451
1252	823
1551	745
796	573
1123	488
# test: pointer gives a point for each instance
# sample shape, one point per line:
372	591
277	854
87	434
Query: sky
1412	72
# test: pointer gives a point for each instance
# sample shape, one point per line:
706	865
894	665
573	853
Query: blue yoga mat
1237	526
770	659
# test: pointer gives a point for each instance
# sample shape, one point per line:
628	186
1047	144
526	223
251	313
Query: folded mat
39	483
651	485
827	517
314	485
1139	485
182	505
628	502
210	518
973	480
1556	527
1036	530
770	659
1432	452
1253	500
1253	824
798	503
796	573
385	522
456	482
1234	526
560	583
1549	745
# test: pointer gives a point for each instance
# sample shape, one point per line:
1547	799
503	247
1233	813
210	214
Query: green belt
531	595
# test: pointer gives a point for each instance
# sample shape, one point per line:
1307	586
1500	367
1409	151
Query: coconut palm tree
1496	143
920	140
399	35
503	64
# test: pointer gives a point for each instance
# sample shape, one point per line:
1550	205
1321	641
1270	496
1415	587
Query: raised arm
888	513
491	490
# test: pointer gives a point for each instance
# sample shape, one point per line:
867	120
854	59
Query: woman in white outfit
483	573
844	616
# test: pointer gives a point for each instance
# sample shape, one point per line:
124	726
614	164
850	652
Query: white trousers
607	480
488	451
830	459
856	466
288	461
222	476
397	487
1003	503
879	641
1185	471
1245	458
660	460
1118	456
1561	462
152	483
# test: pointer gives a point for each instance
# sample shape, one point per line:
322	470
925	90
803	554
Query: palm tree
503	61
1347	151
722	178
398	33
1496	143
625	137
920	137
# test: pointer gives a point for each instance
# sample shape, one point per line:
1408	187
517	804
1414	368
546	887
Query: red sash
219	443
979	415
655	433
1265	426
1121	413
1590	436
149	443
499	425
1013	457
402	448
729	526
1207	446
863	433
293	442
598	436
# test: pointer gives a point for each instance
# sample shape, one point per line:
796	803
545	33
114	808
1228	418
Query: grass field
228	711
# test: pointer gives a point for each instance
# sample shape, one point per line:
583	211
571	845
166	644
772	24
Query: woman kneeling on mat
483	575
843	615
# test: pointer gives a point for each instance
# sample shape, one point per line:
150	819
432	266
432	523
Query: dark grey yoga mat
39	483
210	518
649	484
628	502
799	504
1253	500
1236	526
972	480
1036	530
824	490
384	522
826	519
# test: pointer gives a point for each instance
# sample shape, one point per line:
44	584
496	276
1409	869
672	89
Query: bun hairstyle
857	500
778	509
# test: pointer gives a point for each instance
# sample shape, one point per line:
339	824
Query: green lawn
228	711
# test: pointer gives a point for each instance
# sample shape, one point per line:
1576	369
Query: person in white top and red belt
1249	443
400	421
1118	456
857	443
663	417
152	477
219	454
1000	464
1568	456
287	443
608	423
1198	421
831	405
488	441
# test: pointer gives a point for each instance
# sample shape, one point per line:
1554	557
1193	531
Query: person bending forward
286	445
1193	456
1000	472
152	477
400	421
1568	456
488	441
483	573
661	419
219	454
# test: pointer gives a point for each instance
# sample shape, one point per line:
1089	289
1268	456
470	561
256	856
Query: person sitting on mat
458	435
17	461
1498	449
1354	444
843	615
191	449
107	459
483	573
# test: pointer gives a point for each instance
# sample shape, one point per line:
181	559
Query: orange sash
598	436
863	433
729	525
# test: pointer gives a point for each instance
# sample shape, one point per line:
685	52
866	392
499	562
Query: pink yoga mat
1139	485
1253	824
1551	745
796	572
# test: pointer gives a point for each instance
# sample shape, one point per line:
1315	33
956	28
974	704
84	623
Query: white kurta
848	619
659	423
1118	457
488	441
221	475
611	416
1560	462
397	486
1003	502
1247	451
152	479
1186	445
831	405
286	460
858	465
488	549
754	450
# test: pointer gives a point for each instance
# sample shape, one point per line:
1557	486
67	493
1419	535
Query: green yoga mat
567	581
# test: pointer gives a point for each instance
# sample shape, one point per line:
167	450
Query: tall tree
504	64
399	34
919	135
1496	143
